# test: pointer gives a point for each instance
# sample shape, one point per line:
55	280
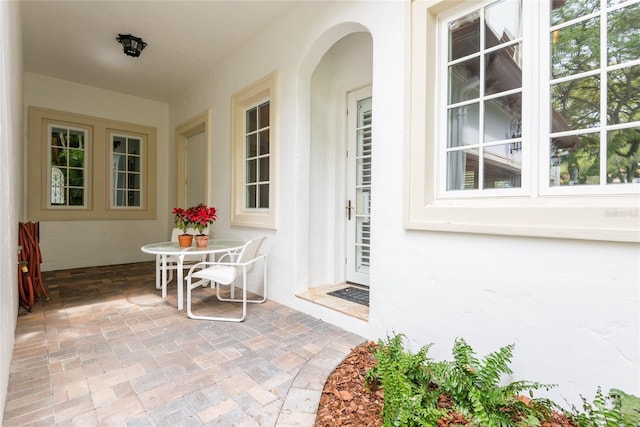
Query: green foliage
617	409
474	386
413	384
408	398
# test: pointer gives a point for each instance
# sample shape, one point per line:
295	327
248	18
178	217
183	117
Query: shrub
419	391
467	390
617	409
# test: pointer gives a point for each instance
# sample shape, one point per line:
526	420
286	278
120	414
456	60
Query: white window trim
98	161
262	90
594	217
142	172
85	168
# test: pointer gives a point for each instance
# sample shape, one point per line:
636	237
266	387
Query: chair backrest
249	251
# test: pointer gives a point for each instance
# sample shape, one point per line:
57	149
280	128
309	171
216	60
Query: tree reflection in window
595	92
126	171
484	99
67	166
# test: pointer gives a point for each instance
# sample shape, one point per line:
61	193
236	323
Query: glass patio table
166	249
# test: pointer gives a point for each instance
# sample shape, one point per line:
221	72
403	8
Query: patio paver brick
106	349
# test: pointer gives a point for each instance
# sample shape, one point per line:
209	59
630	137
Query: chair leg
253	301
191	315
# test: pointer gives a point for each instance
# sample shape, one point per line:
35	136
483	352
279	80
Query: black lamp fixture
131	45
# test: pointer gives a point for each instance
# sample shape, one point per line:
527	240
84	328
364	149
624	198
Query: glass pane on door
363	187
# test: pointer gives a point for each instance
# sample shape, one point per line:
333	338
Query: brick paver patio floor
107	350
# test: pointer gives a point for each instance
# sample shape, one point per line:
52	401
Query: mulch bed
346	400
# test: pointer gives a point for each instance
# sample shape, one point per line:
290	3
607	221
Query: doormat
353	294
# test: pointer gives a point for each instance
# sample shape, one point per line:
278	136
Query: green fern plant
617	409
474	386
413	384
408	398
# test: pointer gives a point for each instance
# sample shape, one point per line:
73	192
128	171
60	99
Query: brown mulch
346	400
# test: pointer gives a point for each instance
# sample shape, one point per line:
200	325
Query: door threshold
319	295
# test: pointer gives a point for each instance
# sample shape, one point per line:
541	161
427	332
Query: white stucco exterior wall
571	307
11	122
71	244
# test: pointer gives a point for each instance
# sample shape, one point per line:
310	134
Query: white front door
358	203
196	170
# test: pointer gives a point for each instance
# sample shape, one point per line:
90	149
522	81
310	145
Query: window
526	126
484	98
253	128
67	166
83	168
595	94
126	161
256	156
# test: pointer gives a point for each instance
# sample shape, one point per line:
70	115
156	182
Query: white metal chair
222	273
171	263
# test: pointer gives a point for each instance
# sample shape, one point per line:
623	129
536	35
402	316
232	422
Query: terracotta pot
202	240
185	240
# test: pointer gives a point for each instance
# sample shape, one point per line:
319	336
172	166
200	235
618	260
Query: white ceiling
76	40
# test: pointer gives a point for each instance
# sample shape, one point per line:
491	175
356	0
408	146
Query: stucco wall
571	307
72	244
10	182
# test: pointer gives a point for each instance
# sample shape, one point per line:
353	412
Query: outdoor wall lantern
131	45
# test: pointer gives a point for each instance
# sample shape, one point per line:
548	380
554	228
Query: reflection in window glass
485	98
502	118
463	170
463	36
575	160
502	165
67	166
623	156
623	43
464	125
464	80
567	10
575	49
126	168
503	20
256	156
578	102
581	136
503	70
623	95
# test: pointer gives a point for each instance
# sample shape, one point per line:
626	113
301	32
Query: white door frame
198	124
357	203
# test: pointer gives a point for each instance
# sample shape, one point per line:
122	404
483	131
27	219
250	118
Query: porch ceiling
76	40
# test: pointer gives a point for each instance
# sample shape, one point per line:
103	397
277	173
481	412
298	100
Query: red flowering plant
181	219
201	216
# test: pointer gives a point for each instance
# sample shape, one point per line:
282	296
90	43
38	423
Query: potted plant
201	216
181	221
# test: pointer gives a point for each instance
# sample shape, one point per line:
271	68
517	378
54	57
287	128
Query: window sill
615	218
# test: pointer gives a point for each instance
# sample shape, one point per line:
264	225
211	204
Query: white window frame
261	91
141	172
256	157
85	167
611	217
442	192
603	188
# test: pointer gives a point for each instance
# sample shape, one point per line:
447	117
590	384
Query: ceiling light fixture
131	45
